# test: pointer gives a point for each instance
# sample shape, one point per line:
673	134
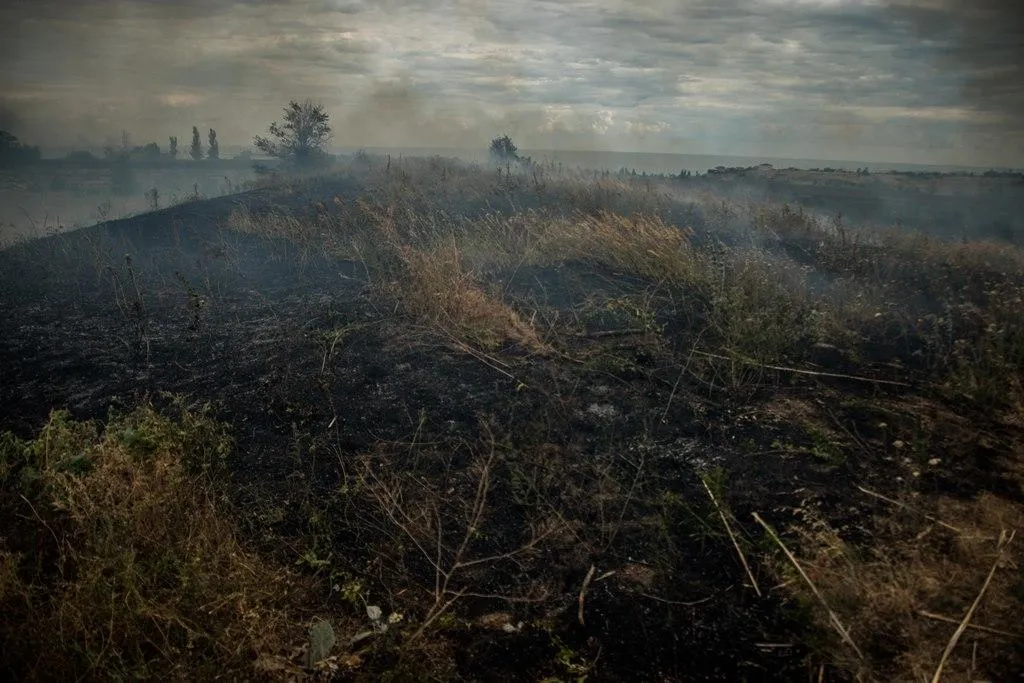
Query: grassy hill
420	419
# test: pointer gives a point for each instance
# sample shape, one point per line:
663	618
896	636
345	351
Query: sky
914	81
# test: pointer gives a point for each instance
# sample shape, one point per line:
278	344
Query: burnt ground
310	369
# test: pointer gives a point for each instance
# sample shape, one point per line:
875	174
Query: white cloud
604	120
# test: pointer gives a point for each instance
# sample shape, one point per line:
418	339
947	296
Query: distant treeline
14	153
759	171
85	158
746	170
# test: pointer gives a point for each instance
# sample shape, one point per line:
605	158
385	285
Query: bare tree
172	150
300	139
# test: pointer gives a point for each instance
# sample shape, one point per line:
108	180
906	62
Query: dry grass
639	244
761	308
431	283
959	303
123	564
437	289
799	280
437	284
411	259
899	305
317	234
902	595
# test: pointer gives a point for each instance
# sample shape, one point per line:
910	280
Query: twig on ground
601	334
692	603
449	563
812	373
675	386
625	504
484	358
976	627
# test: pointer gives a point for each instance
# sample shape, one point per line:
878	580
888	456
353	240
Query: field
424	420
57	195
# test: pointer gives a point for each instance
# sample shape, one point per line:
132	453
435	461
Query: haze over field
917	81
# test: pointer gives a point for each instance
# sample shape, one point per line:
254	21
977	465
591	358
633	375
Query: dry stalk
625	504
975	627
798	371
690	603
833	617
682	372
904	506
1004	541
732	537
583	591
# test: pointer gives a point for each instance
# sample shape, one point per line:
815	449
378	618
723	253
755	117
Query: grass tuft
124	564
902	594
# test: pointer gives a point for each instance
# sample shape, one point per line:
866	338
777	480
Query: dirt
310	369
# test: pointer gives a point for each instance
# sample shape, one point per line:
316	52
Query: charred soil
553	473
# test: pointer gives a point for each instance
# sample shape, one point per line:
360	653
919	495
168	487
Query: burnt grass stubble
171	301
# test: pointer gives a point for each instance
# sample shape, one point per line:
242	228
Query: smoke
394	114
400	114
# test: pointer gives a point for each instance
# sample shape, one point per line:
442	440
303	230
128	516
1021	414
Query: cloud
180	99
982	41
10	121
922	79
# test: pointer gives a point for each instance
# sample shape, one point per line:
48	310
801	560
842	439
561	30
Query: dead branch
601	334
906	507
812	373
424	526
732	537
625	503
692	603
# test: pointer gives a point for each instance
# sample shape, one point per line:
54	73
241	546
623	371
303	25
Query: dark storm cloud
9	119
982	39
182	10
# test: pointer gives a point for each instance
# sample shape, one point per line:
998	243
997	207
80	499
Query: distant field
54	196
946	206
